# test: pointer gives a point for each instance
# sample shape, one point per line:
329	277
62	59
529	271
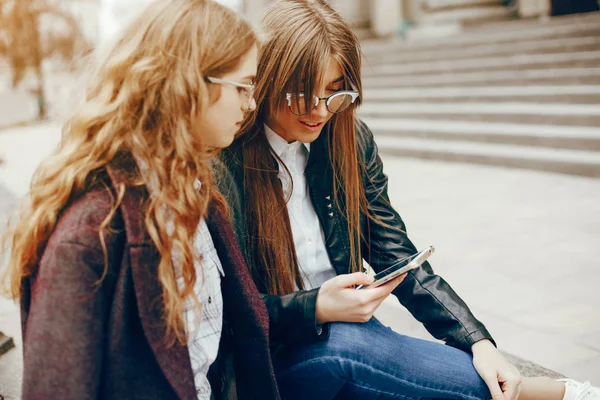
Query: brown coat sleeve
64	310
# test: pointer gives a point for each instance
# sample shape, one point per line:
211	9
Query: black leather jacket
427	296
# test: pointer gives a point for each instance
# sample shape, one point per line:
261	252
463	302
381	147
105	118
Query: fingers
492	384
390	286
510	391
374	297
387	288
511	387
356	278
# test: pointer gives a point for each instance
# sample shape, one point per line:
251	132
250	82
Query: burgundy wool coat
83	340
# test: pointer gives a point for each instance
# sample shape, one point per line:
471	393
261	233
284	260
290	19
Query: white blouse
309	238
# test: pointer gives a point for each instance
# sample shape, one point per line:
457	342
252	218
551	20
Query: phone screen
399	267
395	267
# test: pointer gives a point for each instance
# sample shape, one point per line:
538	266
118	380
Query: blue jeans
370	361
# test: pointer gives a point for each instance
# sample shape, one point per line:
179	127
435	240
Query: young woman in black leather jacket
309	200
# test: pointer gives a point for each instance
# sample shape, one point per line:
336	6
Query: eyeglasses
246	90
335	103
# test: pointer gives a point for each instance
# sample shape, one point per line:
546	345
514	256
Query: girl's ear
214	93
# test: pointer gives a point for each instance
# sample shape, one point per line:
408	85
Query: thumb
356	278
494	386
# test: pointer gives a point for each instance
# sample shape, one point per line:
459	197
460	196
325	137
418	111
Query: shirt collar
279	144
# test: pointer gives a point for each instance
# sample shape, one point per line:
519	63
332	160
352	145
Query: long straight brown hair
301	37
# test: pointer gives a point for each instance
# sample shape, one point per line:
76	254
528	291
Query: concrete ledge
17	107
529	369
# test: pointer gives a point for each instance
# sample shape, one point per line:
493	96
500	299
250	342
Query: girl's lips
312	127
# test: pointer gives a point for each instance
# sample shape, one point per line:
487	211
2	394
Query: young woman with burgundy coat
130	280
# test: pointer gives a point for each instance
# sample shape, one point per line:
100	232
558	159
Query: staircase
515	93
464	12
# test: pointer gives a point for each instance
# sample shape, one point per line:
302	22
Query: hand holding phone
338	301
400	267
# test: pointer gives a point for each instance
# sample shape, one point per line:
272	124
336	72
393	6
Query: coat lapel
144	258
239	292
245	313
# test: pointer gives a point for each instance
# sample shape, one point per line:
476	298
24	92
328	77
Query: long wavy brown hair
142	102
301	37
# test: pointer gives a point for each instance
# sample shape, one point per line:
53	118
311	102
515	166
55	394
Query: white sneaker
579	391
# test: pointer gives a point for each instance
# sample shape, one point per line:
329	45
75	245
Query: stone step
429	5
566	59
541	31
525	119
448	68
574	162
537	46
511	108
554	76
511	15
534	135
499	93
589	135
475	13
522	113
528	23
542	99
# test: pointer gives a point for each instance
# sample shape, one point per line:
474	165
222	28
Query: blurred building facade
370	18
391	17
380	18
86	12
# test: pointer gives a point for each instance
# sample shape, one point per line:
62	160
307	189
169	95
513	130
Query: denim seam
366	387
319	359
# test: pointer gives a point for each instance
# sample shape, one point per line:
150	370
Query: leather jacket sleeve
426	295
292	318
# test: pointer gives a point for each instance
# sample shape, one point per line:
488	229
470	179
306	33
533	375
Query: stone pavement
521	247
11	362
21	149
17	107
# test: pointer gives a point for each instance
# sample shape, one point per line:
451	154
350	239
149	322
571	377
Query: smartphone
399	268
